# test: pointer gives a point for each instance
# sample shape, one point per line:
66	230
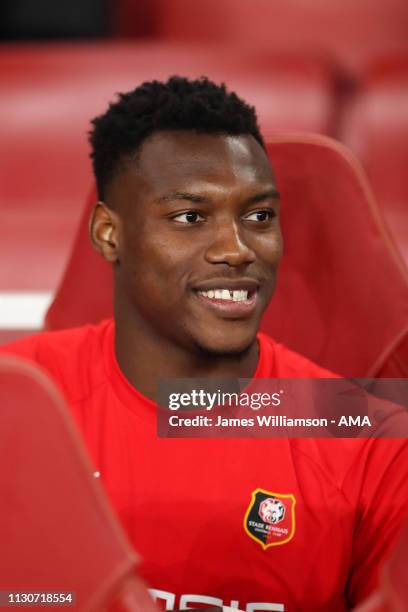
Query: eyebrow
181	195
272	193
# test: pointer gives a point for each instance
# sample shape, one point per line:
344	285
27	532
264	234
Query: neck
144	356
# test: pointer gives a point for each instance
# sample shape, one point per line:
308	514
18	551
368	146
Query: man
189	218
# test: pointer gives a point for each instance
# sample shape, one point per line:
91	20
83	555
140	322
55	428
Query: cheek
158	267
269	247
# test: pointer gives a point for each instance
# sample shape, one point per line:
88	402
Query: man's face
199	239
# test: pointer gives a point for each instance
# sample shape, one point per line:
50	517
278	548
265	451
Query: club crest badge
270	518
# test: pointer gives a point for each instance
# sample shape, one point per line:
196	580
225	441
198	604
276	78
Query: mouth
230	303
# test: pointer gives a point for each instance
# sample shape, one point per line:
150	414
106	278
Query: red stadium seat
130	19
376	128
395	575
343	295
392	595
58	532
49	94
342	298
349	32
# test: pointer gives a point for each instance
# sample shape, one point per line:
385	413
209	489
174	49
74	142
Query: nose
228	246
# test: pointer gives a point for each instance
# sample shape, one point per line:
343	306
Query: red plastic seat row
342	296
349	33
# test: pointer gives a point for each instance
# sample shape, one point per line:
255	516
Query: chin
234	347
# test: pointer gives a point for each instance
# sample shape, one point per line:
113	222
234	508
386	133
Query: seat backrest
351	32
57	530
395	574
392	594
342	295
375	127
343	288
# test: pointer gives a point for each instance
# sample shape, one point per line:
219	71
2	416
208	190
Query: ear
104	231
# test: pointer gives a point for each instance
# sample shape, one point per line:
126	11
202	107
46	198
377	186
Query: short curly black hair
177	104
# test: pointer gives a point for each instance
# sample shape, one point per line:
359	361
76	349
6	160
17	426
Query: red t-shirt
186	503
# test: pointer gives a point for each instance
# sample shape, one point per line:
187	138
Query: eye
260	216
191	217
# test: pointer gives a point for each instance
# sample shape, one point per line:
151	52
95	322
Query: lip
228	308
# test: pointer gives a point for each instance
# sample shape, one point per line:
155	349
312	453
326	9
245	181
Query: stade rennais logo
270	518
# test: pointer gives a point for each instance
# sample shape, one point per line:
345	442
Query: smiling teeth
238	295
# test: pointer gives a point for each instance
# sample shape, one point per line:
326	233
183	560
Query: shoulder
346	461
73	357
282	362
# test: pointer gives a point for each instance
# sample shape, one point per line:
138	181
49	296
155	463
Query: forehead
171	160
